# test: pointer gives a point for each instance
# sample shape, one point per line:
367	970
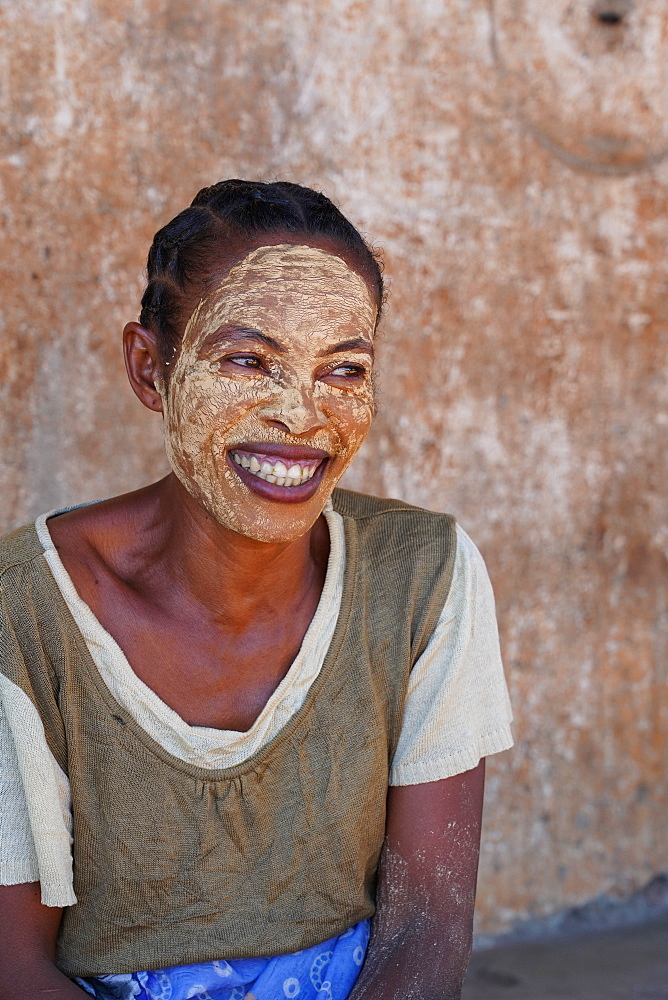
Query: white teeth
277	473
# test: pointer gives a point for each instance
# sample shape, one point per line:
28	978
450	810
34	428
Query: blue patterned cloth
327	971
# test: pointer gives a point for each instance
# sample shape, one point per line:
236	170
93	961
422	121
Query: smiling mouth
281	473
274	470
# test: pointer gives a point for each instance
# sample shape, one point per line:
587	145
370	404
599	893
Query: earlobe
143	364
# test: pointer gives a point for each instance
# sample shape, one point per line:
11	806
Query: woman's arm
421	936
28	947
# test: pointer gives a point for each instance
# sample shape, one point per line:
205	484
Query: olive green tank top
177	864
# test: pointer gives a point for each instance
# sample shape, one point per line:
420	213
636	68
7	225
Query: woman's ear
143	364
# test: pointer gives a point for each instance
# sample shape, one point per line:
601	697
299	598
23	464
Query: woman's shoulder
78	535
420	536
19	547
364	506
101	535
86	524
407	552
31	539
412	520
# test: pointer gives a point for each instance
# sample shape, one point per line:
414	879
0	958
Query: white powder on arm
457	707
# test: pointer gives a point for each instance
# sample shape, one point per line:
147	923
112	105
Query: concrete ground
623	964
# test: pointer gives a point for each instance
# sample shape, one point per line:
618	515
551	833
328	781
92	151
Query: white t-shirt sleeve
457	708
35	816
18	860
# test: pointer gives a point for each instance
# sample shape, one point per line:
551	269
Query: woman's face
271	394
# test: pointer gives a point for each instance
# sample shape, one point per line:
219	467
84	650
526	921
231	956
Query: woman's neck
229	575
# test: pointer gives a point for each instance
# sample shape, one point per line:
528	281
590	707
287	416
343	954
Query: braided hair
187	248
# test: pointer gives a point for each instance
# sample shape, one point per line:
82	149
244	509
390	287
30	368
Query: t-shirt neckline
203	737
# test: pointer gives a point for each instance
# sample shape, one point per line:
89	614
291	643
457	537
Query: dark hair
185	250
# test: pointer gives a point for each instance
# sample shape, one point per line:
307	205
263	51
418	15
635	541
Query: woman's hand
422	932
28	946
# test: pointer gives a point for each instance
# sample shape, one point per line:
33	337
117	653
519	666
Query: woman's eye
245	361
348	371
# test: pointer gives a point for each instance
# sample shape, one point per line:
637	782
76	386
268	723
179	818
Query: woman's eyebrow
355	344
232	333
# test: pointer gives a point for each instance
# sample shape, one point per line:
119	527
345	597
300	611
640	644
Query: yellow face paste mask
271	395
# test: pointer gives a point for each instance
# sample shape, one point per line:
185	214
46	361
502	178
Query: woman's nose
296	411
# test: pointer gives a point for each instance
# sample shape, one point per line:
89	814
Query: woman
298	746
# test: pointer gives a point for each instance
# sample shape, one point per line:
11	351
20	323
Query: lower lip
280	494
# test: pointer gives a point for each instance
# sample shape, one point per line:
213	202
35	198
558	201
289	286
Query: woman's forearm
426	963
423	926
28	932
36	981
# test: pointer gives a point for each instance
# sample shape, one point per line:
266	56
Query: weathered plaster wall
509	159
